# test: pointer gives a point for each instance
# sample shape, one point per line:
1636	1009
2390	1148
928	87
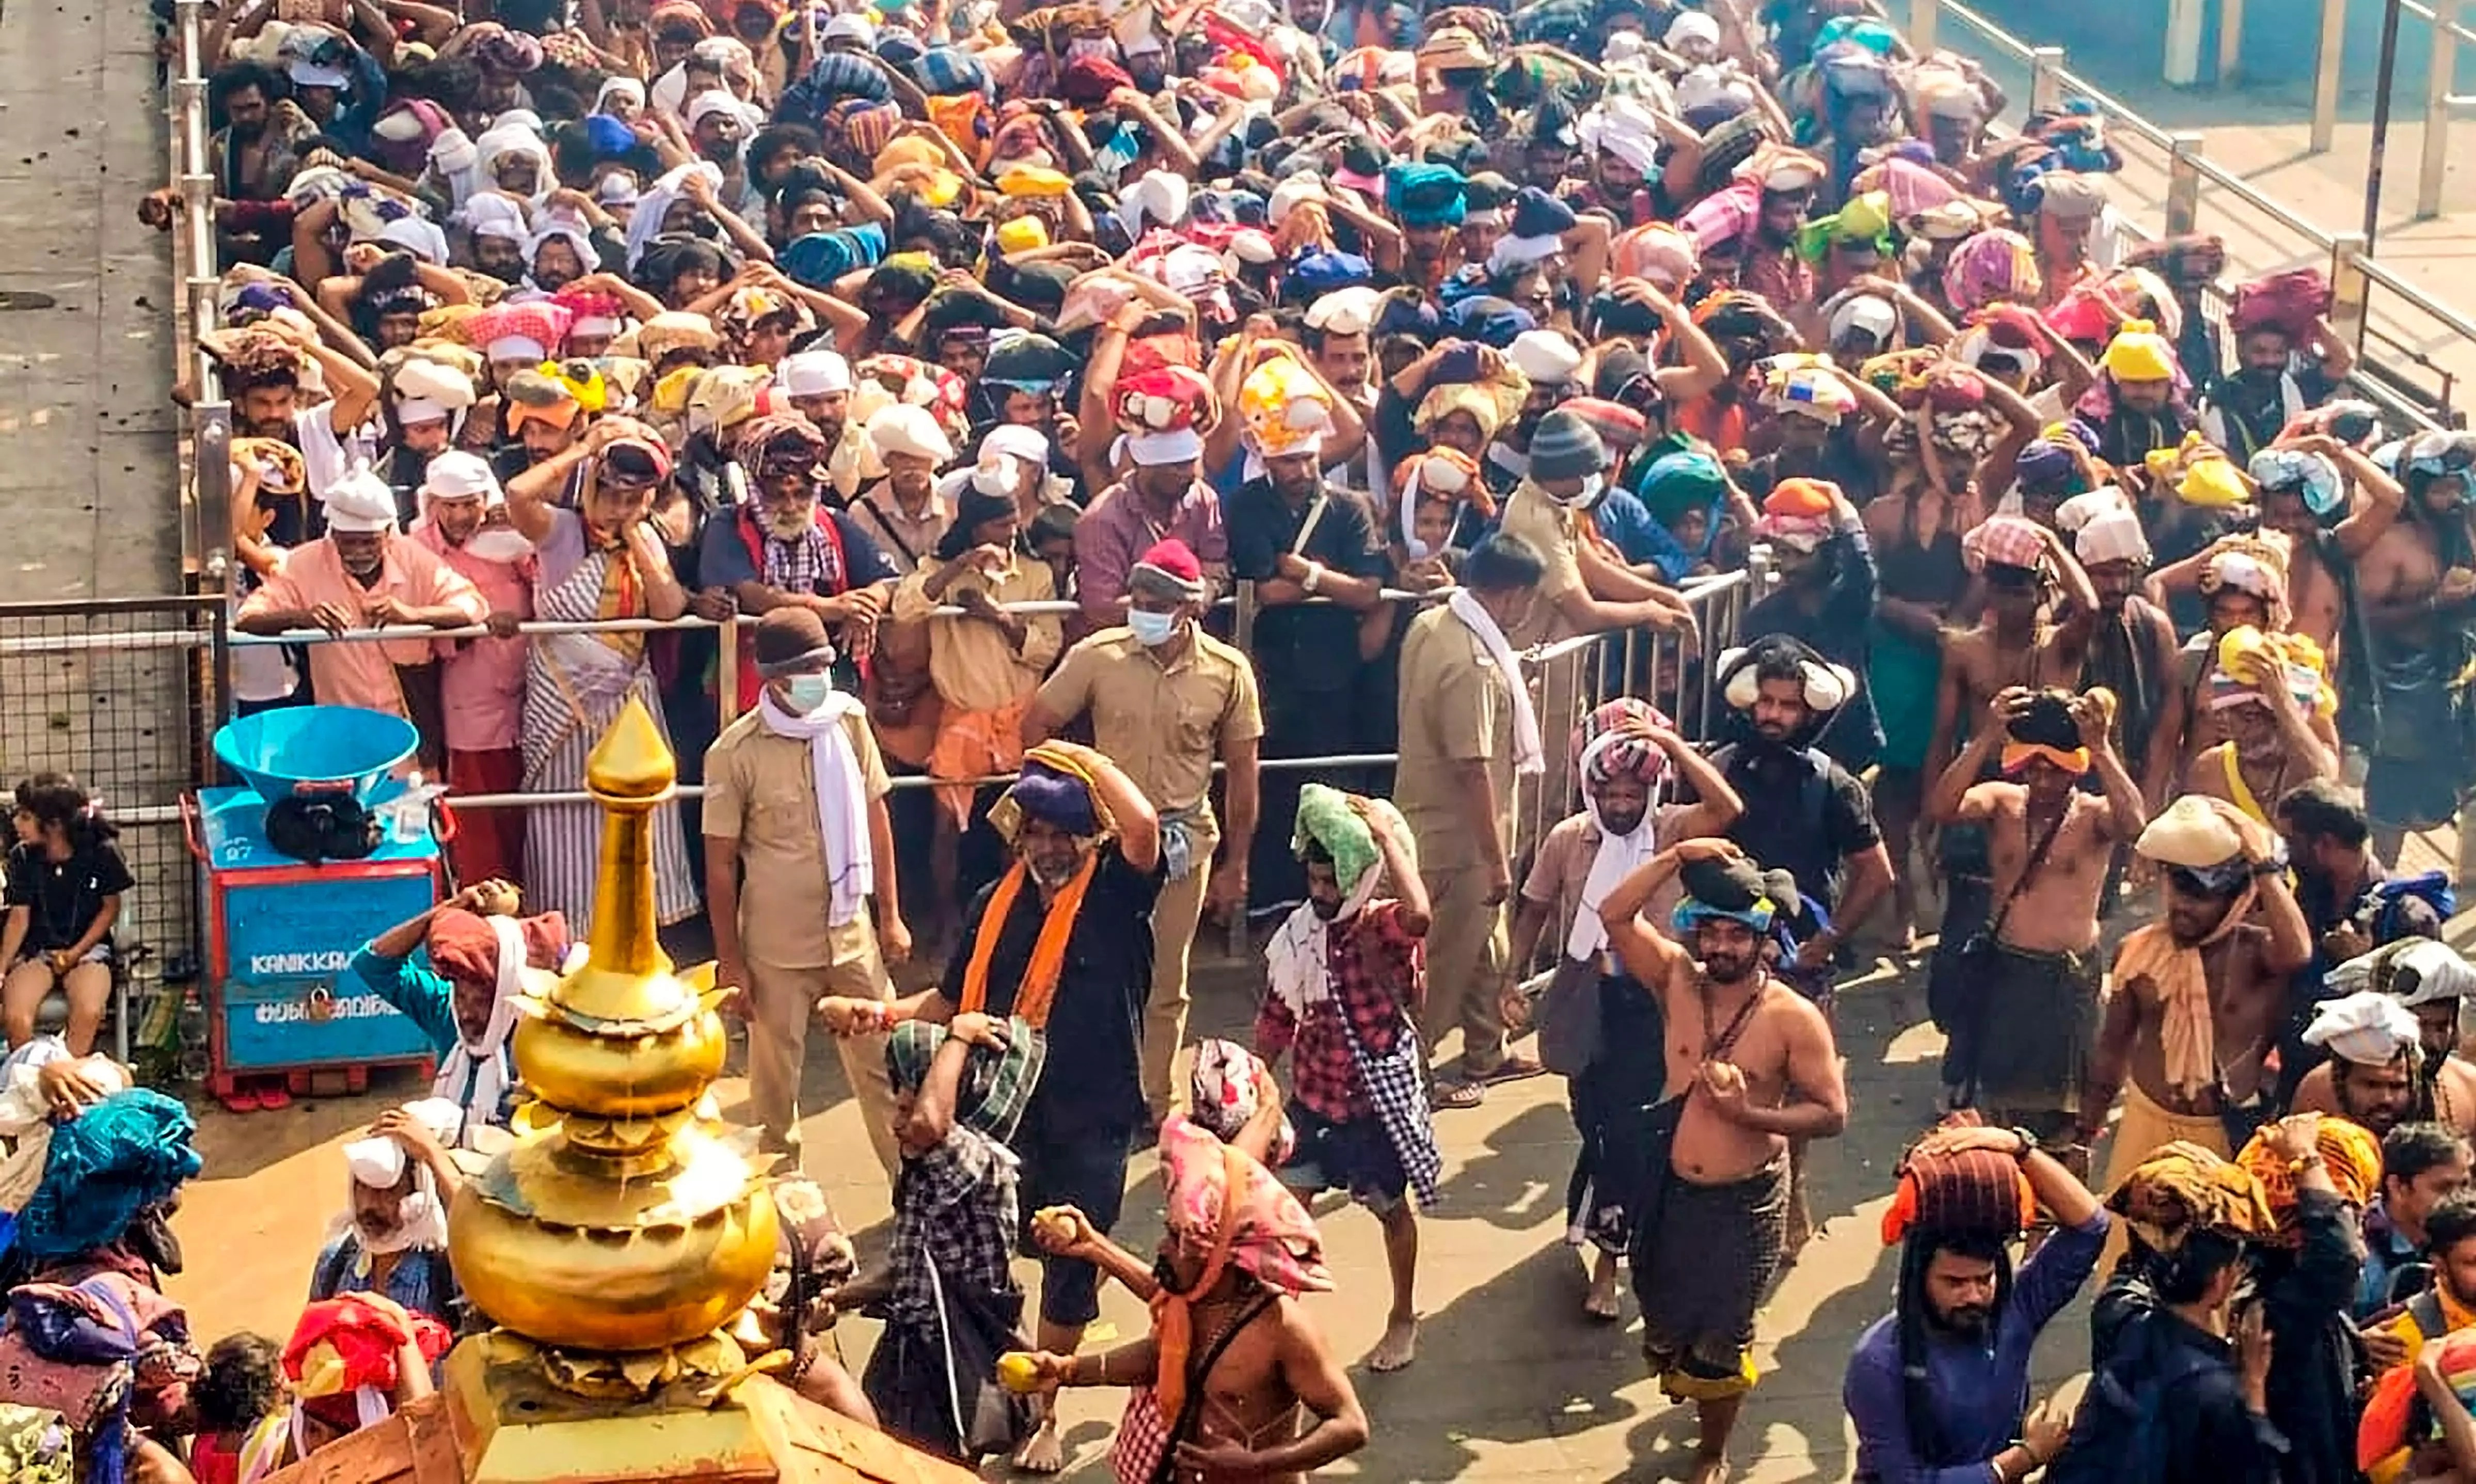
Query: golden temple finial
618	1238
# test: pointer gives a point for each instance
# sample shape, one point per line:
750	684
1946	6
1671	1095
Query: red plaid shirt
1378	972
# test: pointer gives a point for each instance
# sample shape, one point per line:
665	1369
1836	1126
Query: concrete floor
1512	1382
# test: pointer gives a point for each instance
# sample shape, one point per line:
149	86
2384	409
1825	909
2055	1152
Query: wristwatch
2028	1143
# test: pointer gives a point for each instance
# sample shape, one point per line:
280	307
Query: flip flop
1513	1069
1456	1094
242	1100
274	1097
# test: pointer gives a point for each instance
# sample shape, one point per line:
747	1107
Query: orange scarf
1038	990
1173	1312
2185	1029
623	593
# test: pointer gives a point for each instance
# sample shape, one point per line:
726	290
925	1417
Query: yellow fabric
2182	1186
2138	353
2183	983
2350	1154
2142	1130
1022	234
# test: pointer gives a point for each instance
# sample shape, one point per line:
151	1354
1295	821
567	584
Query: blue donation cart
282	931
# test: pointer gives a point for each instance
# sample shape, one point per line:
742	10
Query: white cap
852	27
1872	313
359	503
516	347
812	374
457	475
1177	445
904	429
1344	311
712	101
1545	356
1690	26
1016	442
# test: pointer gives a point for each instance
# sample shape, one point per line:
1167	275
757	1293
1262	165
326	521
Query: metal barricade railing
205	428
122	694
2397	367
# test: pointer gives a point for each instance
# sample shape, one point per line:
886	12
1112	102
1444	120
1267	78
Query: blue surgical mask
1154	630
807	692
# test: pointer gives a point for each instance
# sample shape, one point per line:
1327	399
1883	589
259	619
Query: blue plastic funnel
312	749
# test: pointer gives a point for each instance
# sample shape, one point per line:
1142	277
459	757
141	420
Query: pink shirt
482	682
362	673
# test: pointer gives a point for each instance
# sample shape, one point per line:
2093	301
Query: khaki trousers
1174	915
781	1005
1465	953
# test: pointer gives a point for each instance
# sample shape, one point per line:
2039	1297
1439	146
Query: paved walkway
1512	1383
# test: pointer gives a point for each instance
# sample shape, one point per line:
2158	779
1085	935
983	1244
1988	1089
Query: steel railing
2390	361
205	426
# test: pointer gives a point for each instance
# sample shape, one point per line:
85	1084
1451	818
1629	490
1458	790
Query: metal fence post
2350	290
211	537
2045	79
2437	109
2184	184
1924	17
2230	41
2325	74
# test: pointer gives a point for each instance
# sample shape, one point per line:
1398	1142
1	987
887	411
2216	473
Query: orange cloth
2350	1153
2190	1043
976	745
1039	990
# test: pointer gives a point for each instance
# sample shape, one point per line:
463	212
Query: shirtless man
1750	1066
2297	468
2218	866
2418	583
2014	644
2270	747
2021	1044
2376	1053
1232	1373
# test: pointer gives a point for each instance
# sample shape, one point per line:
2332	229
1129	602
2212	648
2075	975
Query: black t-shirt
61	897
1091	1086
1301	646
1804	814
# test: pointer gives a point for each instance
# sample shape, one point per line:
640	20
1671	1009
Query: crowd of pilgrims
971	356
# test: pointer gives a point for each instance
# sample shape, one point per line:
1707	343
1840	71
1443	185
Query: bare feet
1043	1451
1708	1470
1601	1302
1398	1348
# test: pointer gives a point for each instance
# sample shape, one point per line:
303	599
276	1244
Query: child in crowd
64	884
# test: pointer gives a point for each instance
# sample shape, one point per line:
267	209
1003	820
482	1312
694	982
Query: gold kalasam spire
613	1241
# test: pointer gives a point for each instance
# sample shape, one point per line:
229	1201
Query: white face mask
499	543
1151	629
1589	495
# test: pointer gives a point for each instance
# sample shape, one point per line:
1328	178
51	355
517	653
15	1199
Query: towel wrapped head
1327	821
106	1168
1054	788
997	1083
2349	1153
2182	1188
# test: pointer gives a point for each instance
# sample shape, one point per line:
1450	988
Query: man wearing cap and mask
2019	1040
1297	542
463	520
1165	698
2196	999
1750	1068
1063	941
362	575
2374	1069
1468	733
1587	587
801	874
784	546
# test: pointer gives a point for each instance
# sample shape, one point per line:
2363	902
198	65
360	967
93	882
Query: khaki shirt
975	666
1162	724
760	791
909	542
1547	527
1562	862
1455	708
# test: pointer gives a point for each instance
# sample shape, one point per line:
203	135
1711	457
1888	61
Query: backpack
2118	1437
